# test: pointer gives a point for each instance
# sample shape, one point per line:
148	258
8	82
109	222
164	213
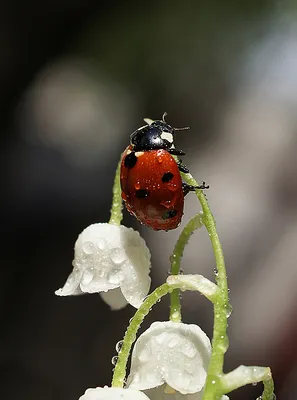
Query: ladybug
151	183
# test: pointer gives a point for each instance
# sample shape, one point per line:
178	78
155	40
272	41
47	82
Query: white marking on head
148	121
139	153
167	136
129	152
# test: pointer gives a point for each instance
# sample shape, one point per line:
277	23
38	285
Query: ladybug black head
157	135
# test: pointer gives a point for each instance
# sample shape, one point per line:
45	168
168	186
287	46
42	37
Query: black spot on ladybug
167	177
169	214
142	193
130	160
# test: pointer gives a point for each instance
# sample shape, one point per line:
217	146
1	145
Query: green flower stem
221	305
130	335
215	377
243	375
192	225
116	214
268	392
191	282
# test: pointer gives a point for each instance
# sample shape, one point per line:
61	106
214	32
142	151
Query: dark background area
76	79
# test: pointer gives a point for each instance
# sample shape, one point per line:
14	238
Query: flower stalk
192	225
116	212
221	303
130	335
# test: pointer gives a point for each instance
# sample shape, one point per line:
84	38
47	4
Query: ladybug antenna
181	129
175	129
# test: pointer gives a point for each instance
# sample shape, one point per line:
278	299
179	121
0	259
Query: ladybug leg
176	152
182	167
190	188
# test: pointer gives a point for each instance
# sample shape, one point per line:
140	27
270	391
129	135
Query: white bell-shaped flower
170	353
108	393
111	260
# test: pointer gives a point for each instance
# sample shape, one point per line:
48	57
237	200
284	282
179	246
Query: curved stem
191	282
130	335
192	225
116	214
221	305
244	375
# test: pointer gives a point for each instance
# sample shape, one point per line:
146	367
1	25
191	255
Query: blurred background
77	77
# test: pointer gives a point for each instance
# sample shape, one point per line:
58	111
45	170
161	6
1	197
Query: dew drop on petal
87	277
172	342
101	243
113	276
118	256
189	350
88	248
159	339
144	354
100	272
189	367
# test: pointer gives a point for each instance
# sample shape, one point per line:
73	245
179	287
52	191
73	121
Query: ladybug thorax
157	135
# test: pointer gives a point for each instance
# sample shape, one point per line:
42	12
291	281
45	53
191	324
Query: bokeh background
77	77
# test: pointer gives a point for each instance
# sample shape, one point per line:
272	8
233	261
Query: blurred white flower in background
113	261
77	109
169	361
108	393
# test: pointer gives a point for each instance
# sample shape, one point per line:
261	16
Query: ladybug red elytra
152	187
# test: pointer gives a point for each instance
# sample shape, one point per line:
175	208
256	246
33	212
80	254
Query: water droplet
160	338
172	342
173	257
101	243
114	360
229	309
144	354
166	203
87	277
88	248
189	350
137	185
175	315
254	383
172	187
118	256
113	276
224	343
119	345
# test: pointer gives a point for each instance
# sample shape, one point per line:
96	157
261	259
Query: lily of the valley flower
111	260
108	393
169	361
